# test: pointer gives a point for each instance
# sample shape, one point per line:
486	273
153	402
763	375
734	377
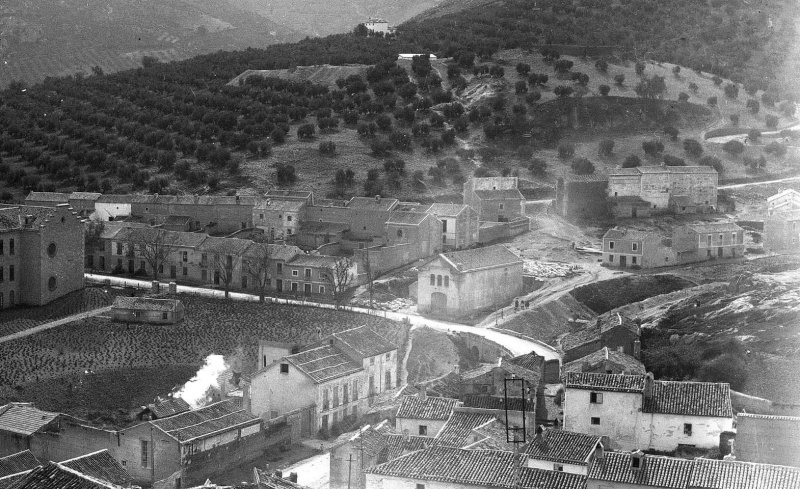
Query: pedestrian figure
516	305
527	304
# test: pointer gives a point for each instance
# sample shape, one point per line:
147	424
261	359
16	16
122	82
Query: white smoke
196	391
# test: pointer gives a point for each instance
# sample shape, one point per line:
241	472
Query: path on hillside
749	184
53	324
517	346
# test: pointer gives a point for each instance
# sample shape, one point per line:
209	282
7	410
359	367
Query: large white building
637	412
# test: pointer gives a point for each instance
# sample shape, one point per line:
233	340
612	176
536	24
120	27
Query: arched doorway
438	302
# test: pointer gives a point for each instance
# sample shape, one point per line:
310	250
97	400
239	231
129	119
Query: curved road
517	346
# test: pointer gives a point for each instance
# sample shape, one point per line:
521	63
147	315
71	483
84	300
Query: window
308	274
447	281
1	275
279	268
204	259
51	284
145	451
2	246
423	430
610	245
10	246
354	411
284	368
611	258
733	238
420	486
325	402
11	273
720	239
399	233
439	280
185	256
636	462
708	240
295	273
336	396
633	260
185	271
261	216
502	206
558	467
388	380
294	287
433	279
345	394
51	250
687	429
596	421
11	298
288	218
372	360
634	246
119	248
164	316
444	225
204	274
244	281
321	289
596	397
355	390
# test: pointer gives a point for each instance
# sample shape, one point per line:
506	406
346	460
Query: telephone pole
349	468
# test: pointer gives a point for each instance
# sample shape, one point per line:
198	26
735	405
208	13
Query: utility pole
349	468
513	432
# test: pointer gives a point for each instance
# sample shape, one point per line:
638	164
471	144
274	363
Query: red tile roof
324	363
663	472
100	465
480	258
690	398
626	362
169	407
364	341
723	474
457	431
18	462
433	408
562	446
604	382
200	423
23	418
56	476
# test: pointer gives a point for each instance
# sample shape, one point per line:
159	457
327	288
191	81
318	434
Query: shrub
306	131
640	66
582	166
670	160
601	65
676	70
672	132
753	106
619	79
734	119
384	122
604	90
776	148
693	87
401	140
717	80
277	135
566	150
632	161
753	134
712	101
380	147
537	167
683	97
733	147
523	68
767	99
563	91
327	148
771	121
286	174
712	161
787	108
653	147
520	87
692	147
606	147
732	90
730	368
563	65
533	97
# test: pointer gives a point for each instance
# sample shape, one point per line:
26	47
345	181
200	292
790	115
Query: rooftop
309	260
480	258
457	430
499	194
724	474
594	177
446	209
100	465
200	423
324	363
145	304
562	446
661	169
169	407
406	218
629	233
296	194
478	371
58	197
604	382
689	398
264	480
434	408
592	331
714	227
364	341
397	445
18	462
281	205
662	472
372	203
592	360
168	238
784	193
56	476
494	403
23	418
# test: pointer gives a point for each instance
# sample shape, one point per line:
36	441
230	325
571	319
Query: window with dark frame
284	368
687	429
595	421
596	397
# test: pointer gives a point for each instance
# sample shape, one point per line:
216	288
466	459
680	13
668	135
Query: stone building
495	199
606	361
15	466
782	232
637	412
610	330
460	282
700	242
41	254
632	248
421	415
377	25
279	218
335	379
147	310
785	200
459	225
763	438
581	196
648	190
562	451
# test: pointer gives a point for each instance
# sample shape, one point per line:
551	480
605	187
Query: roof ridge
89	478
83	456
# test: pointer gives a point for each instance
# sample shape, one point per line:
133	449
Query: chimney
456	369
423	392
279	474
293	477
377	198
637	460
599	452
648	385
637	349
406	436
619	316
540	433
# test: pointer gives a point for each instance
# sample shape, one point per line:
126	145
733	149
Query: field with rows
120	355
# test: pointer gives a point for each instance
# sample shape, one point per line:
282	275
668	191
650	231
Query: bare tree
339	277
92	235
155	246
222	264
370	272
257	264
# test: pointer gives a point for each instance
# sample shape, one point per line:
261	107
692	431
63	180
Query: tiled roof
487	468
23	418
446	209
296	194
225	246
18	462
623	172
369	441
58	197
364	341
478	371
491	436
324	363
215	418
406	218
319	227
723	474
169	238
604	382
145	304
434	408
100	465
689	398
7	481
562	446
662	472
495	403
85	195
264	480
499	194
479	258
458	428
628	233
627	362
397	445
319	261
372	204
788	419
784	193
714	227
594	177
676	169
169	407
530	361
532	376
56	476
530	478
593	331
281	205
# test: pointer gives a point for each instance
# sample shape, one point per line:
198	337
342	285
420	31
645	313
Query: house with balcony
632	248
459	225
782	232
334	379
700	242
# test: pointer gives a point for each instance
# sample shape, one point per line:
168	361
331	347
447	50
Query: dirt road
53	324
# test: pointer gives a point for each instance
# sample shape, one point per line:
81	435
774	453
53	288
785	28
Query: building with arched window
41	254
